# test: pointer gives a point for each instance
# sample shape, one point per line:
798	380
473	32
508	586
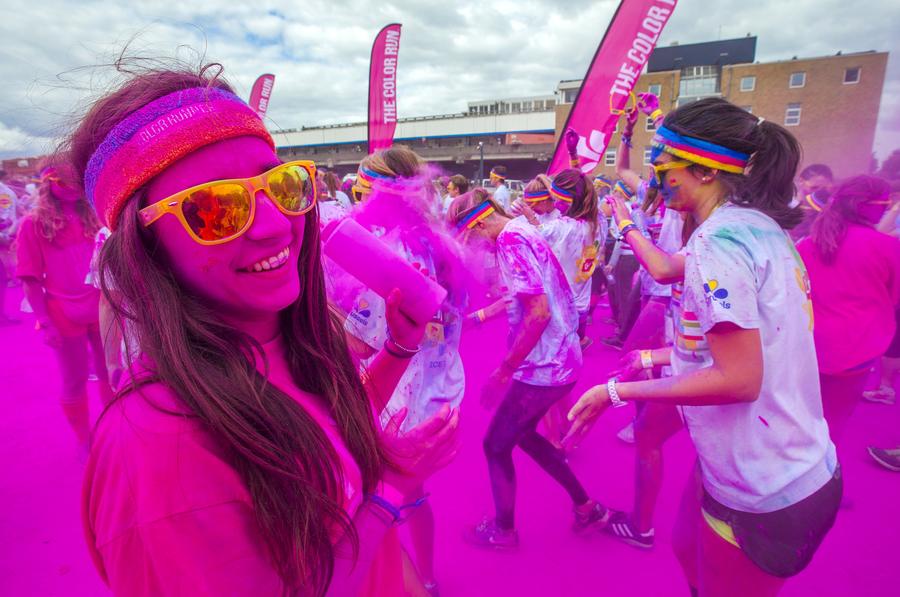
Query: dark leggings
620	292
513	425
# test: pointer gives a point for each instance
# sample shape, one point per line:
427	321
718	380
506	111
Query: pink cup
362	255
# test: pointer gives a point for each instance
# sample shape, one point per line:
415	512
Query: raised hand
403	330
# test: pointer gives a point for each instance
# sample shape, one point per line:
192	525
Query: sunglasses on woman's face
659	170
220	211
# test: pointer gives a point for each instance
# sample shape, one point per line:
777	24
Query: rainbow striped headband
602	181
478	214
366	177
698	151
561	193
500	176
623	188
157	135
536	196
813	203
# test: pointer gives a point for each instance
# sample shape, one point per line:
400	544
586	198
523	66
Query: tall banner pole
383	88
608	86
261	92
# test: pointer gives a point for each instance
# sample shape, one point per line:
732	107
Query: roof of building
726	51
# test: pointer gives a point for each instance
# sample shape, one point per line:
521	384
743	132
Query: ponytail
584	203
768	182
851	203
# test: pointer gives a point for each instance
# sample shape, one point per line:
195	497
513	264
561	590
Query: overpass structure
517	132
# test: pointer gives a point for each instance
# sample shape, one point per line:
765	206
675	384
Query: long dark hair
851	203
283	456
584	203
48	214
768	185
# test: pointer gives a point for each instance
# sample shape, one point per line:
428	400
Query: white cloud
451	52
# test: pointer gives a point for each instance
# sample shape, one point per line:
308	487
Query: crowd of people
268	424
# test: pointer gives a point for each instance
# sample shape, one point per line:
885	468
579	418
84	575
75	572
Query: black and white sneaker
621	527
889	459
595	518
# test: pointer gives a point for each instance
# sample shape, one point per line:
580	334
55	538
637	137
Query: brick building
829	103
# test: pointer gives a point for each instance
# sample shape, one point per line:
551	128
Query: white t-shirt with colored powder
501	196
576	249
529	267
765	455
435	375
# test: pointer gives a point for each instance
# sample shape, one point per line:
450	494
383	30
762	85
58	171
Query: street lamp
480	162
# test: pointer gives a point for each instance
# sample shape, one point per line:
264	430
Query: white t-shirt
762	456
435	375
667	238
343	200
529	267
501	196
576	249
7	214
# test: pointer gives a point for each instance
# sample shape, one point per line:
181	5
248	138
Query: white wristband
613	393
647	359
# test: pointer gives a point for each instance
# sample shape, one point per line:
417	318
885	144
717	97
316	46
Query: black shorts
782	543
893	350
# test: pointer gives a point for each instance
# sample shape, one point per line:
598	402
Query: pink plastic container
363	256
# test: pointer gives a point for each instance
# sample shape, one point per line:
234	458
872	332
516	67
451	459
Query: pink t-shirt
854	298
61	267
166	513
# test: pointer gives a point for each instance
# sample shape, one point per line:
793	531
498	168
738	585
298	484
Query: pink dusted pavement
43	552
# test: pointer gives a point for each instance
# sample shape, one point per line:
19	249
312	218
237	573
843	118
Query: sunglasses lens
217	212
292	187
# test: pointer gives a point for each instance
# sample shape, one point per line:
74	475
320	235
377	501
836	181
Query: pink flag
259	96
383	88
624	50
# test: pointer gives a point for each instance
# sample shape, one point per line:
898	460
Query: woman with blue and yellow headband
768	485
540	368
399	204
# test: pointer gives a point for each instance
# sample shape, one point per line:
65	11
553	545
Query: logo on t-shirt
716	294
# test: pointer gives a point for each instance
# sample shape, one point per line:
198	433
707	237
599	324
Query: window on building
527	106
851	75
516	107
792	115
610	157
647	152
648	125
655	89
569	96
798	80
699	81
492	109
748	83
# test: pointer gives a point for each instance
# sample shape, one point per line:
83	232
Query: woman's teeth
273	262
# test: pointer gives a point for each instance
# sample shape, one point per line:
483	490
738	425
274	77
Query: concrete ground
43	550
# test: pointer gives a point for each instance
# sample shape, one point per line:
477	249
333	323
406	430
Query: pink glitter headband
162	132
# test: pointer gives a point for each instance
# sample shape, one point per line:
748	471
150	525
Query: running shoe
596	518
889	459
487	534
621	527
613	342
626	434
883	395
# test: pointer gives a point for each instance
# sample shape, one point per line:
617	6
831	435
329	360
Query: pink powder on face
216	272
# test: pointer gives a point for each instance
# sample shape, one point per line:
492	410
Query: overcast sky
450	52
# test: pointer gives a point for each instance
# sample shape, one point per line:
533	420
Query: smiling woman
241	454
